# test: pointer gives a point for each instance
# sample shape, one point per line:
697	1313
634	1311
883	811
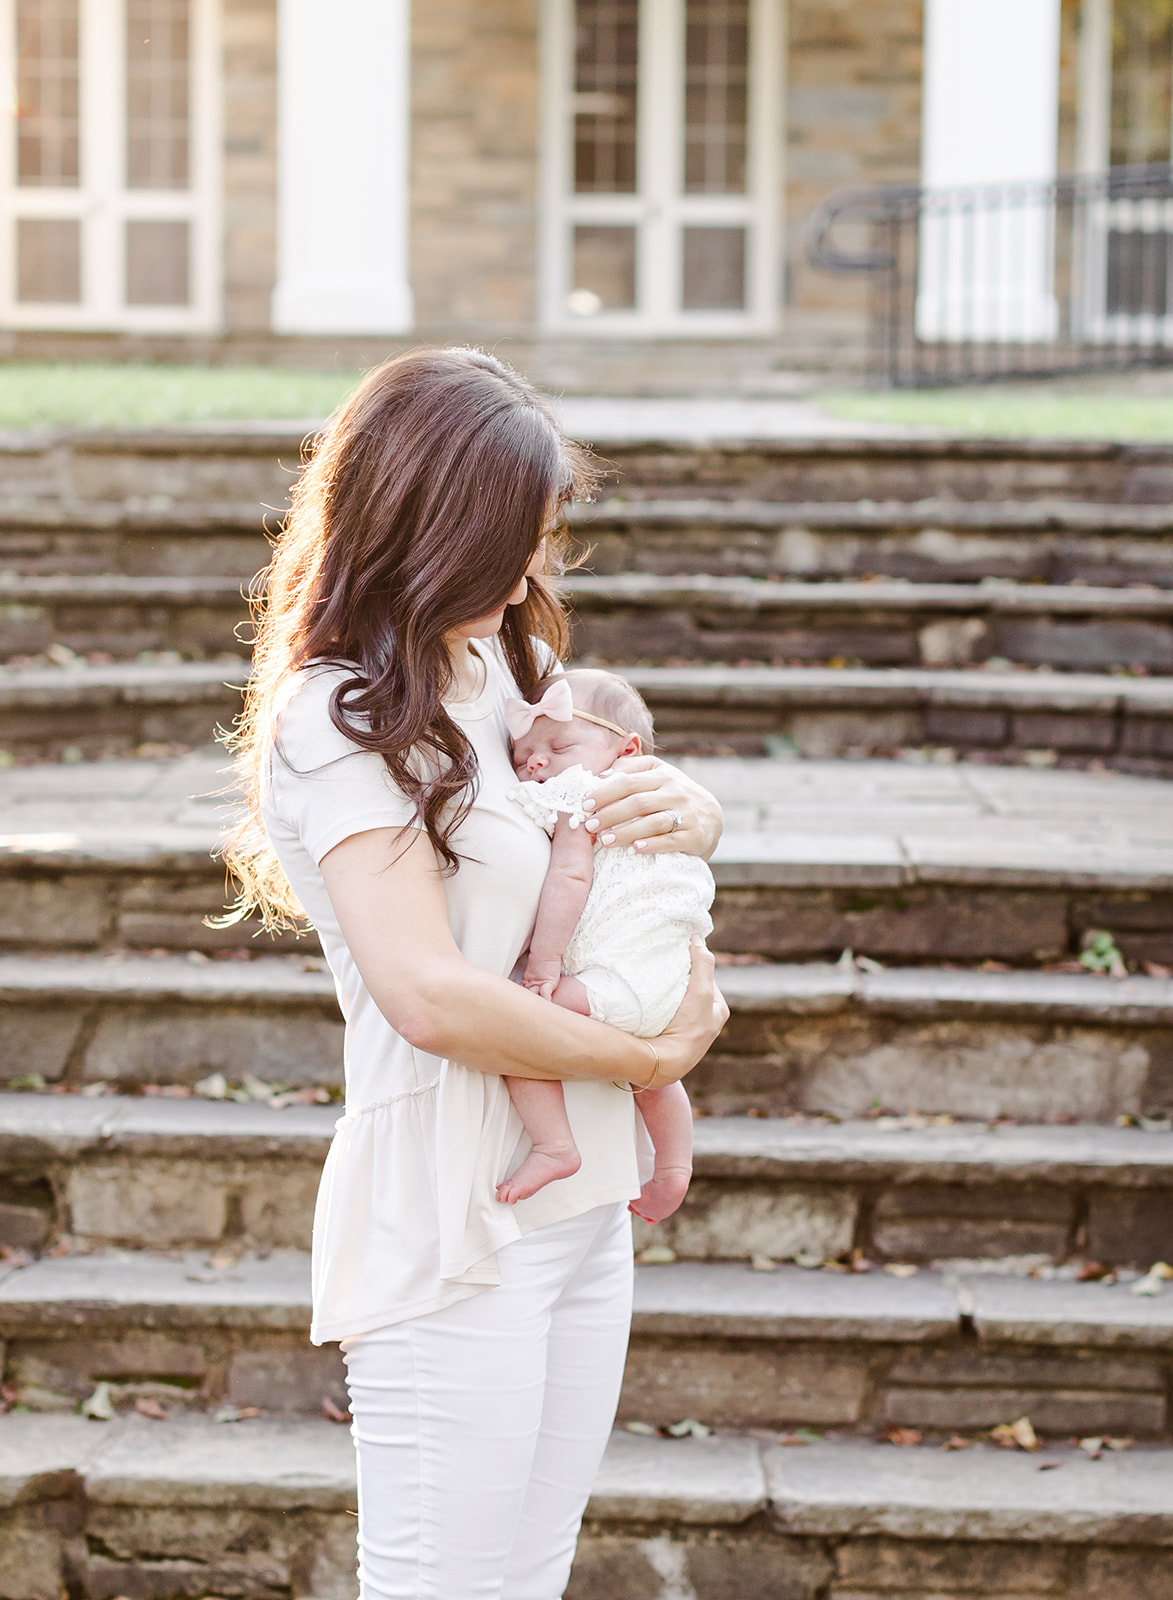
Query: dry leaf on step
1018	1435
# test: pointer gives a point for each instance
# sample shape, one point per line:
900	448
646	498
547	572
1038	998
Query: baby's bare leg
668	1117
571	995
542	1108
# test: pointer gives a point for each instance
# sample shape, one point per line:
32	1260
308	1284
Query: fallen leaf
332	1412
643	1429
12	1256
762	1264
147	1407
810	1260
956	1442
223	1259
800	1436
99	1407
1154	1280
231	1413
1118	1444
901	1269
904	1437
1049	1466
656	1255
1092	1446
690	1428
1093	1272
1018	1435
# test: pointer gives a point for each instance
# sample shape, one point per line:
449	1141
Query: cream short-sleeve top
406	1220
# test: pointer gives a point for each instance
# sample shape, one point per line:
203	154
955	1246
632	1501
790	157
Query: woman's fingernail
608	838
591	824
641	844
589	803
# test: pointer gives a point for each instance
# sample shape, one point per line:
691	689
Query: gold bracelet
656	1068
632	1088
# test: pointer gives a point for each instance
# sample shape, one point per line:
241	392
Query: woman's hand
699	1019
639	804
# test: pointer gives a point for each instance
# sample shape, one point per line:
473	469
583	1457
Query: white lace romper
630	948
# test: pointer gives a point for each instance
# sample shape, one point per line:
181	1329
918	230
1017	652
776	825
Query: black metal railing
1016	280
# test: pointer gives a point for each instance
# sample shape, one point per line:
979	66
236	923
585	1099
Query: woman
484	1343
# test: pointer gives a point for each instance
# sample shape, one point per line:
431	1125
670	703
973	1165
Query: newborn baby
611	939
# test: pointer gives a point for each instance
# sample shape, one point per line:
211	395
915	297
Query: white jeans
480	1428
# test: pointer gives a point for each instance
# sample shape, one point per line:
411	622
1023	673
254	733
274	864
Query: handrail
1004	280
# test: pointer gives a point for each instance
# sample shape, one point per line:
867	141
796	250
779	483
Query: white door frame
660	209
101	201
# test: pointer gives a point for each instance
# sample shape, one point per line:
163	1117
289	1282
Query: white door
662	140
109	181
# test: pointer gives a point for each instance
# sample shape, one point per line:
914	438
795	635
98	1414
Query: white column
991	116
343	119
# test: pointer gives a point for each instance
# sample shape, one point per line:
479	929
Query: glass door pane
157	136
605	96
47	126
716	96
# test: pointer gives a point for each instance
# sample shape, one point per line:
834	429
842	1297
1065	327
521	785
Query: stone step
816	712
254	462
263	1510
821	712
122	616
188	1173
85	711
716	1341
639	617
899	862
666	530
149	536
669	530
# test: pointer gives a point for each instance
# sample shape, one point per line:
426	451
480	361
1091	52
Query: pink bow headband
558	704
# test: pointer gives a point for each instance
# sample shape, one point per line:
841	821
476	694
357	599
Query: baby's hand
542	977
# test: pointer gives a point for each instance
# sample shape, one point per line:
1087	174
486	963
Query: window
108	179
1126	120
662	137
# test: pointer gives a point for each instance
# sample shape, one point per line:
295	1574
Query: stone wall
474	166
853	117
249	154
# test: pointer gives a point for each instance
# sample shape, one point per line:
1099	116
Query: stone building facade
348	179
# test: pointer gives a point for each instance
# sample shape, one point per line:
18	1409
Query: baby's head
584	718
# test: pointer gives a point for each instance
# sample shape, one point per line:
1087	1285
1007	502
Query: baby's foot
544	1164
662	1194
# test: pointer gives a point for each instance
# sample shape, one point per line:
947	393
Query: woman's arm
638	804
388	896
564	894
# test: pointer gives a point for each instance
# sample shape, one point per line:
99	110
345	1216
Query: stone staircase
933	1152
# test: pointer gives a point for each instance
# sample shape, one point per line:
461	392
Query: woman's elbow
421	1024
420	1017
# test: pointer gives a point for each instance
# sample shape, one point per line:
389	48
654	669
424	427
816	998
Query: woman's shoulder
303	723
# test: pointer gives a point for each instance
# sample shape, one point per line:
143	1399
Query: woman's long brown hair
424	502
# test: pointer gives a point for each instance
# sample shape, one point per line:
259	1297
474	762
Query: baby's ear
634	746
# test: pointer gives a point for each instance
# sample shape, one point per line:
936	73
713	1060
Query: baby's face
550	747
